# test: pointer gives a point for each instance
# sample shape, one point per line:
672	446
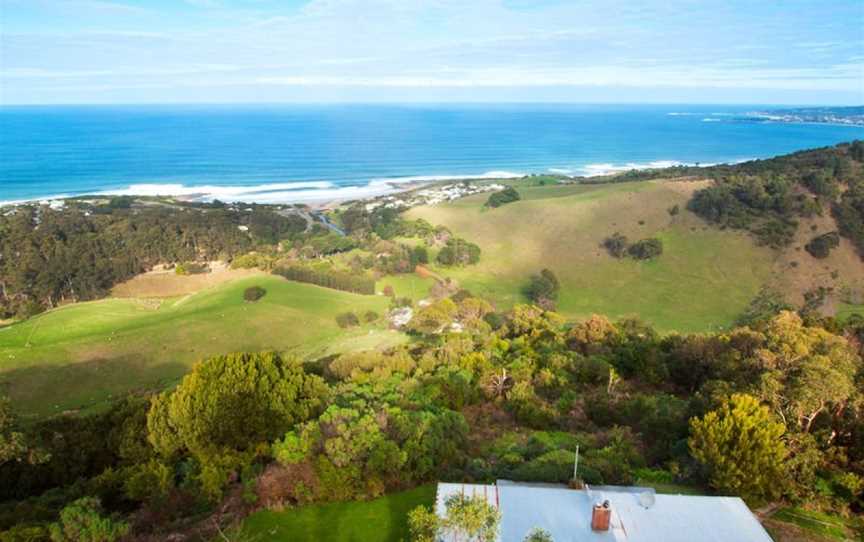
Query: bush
419	255
233	403
544	288
821	246
495	320
616	244
503	197
190	268
347	319
253	293
371	316
646	249
82	521
458	252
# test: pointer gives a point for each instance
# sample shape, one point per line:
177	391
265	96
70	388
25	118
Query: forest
767	197
78	253
509	396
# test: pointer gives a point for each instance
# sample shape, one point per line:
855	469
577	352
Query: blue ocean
285	153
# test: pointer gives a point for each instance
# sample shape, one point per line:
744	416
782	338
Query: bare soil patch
796	271
166	283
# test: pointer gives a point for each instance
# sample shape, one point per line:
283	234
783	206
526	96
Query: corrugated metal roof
566	514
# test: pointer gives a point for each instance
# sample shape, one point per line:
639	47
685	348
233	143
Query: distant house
611	513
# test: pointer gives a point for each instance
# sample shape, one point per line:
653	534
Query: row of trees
328	278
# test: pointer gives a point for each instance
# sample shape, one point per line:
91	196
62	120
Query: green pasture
80	355
703	281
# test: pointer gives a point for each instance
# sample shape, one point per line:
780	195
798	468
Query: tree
503	197
820	247
347	319
538	535
470	518
616	244
14	444
458	252
433	318
646	249
234	402
807	371
83	521
423	524
544	289
253	293
741	448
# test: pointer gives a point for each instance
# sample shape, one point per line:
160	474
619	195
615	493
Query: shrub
458	252
347	319
616	244
423	524
741	448
646	249
371	316
233	403
190	268
538	535
821	246
544	288
503	197
495	320
419	255
253	293
83	521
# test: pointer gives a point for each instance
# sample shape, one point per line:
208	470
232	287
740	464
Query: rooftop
638	515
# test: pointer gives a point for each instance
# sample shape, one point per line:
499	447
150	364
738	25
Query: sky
226	51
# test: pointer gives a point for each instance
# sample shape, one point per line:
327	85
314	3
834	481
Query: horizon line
421	102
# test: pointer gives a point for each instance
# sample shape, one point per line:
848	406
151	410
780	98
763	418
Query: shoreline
323	194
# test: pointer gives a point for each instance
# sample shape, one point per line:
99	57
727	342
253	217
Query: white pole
576	463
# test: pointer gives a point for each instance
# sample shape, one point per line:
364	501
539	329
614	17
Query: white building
630	514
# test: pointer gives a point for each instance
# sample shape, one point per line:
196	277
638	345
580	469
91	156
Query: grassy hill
82	354
704	279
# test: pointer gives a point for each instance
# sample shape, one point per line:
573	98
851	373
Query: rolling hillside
82	354
703	281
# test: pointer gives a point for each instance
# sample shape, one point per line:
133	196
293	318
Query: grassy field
379	520
80	355
813	525
408	285
703	281
846	310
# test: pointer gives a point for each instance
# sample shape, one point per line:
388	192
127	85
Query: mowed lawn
703	281
379	520
80	355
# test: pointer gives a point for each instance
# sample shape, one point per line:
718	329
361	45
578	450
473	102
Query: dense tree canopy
503	197
741	448
48	256
234	402
768	197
